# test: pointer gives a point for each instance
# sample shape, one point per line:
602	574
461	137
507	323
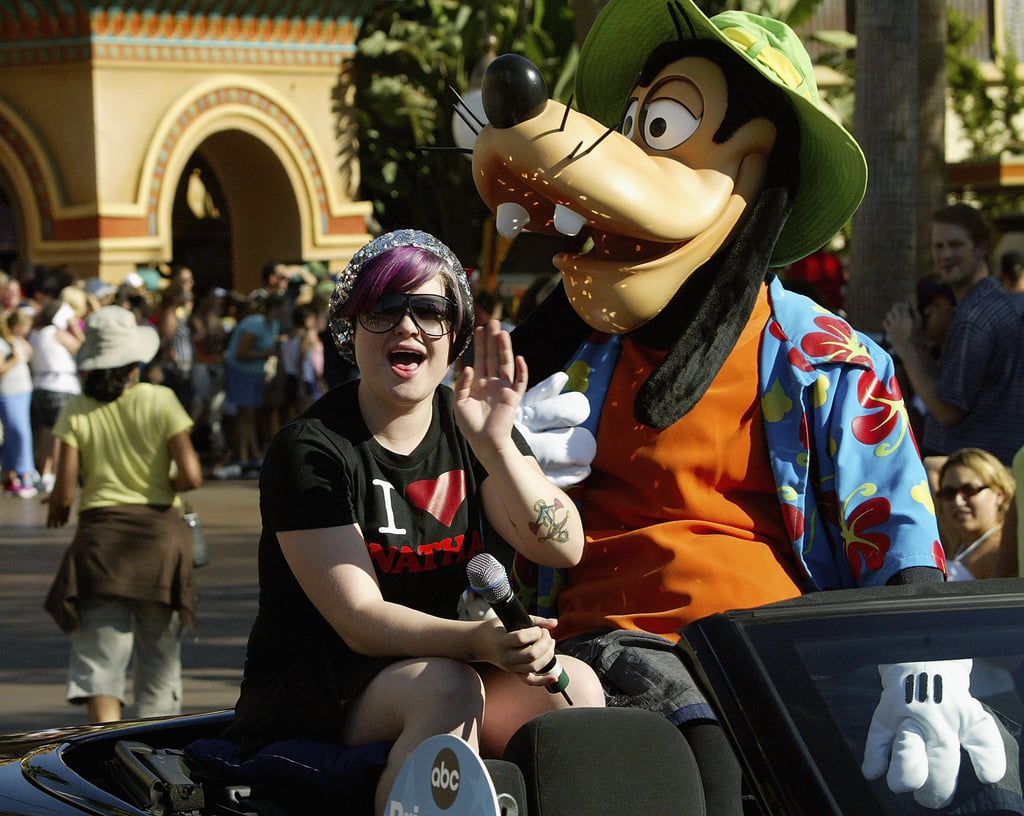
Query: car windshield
818	660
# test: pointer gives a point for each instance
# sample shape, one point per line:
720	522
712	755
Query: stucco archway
272	174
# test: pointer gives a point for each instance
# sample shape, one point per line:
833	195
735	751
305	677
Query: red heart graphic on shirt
441	497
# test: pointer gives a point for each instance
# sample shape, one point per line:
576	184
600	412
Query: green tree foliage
411	54
987	112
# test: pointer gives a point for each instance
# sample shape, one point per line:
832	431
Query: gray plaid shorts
641	670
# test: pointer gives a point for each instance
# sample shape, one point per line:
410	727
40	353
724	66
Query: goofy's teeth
568	222
511	219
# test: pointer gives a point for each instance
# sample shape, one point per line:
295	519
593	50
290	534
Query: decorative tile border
234	96
119	35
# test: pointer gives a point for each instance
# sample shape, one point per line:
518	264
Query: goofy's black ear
702	323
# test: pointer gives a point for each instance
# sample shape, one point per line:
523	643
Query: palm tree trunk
883	262
931	167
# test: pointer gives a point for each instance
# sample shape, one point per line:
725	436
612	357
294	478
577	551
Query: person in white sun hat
125	584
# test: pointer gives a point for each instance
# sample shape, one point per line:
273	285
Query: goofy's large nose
513	91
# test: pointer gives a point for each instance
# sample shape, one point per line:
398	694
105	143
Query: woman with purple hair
373	501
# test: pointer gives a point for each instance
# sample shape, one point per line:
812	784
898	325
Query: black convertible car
794	683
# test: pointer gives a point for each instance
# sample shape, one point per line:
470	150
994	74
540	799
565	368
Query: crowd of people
240	364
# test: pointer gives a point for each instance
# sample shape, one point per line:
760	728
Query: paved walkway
33	651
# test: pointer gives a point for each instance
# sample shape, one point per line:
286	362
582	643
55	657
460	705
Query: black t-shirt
420	515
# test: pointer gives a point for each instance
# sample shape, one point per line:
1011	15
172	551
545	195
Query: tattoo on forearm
550	525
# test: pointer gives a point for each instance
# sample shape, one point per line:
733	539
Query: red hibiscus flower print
885	413
837	342
864	547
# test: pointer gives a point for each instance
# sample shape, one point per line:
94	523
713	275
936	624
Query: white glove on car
924	716
551	422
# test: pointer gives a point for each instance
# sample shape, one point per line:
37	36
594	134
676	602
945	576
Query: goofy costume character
750	446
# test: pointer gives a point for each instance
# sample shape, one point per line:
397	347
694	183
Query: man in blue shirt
975	392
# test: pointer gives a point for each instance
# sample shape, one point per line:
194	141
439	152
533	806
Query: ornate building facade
216	133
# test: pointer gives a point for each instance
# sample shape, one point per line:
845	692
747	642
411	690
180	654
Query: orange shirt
684	522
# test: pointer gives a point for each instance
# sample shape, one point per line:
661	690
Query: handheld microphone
487	577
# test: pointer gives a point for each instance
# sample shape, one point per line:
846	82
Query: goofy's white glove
551	422
924	716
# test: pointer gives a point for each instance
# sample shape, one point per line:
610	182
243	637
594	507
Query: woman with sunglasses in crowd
975	491
373	501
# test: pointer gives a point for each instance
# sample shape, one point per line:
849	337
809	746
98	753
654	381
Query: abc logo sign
445	778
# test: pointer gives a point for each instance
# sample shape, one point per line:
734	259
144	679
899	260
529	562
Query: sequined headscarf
342	326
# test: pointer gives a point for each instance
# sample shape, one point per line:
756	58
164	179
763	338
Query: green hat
833	173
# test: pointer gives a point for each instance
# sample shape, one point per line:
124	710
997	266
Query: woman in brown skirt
125	586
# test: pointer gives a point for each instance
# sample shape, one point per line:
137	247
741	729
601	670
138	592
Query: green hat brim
833	172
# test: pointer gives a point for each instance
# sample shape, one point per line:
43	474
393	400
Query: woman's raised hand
489	391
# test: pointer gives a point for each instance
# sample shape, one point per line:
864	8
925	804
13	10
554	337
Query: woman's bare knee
586	688
424	696
511	703
450	693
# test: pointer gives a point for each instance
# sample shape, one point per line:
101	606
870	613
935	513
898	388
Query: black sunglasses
965	491
433	315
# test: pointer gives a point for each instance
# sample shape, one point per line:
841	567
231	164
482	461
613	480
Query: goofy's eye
667	123
629	119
